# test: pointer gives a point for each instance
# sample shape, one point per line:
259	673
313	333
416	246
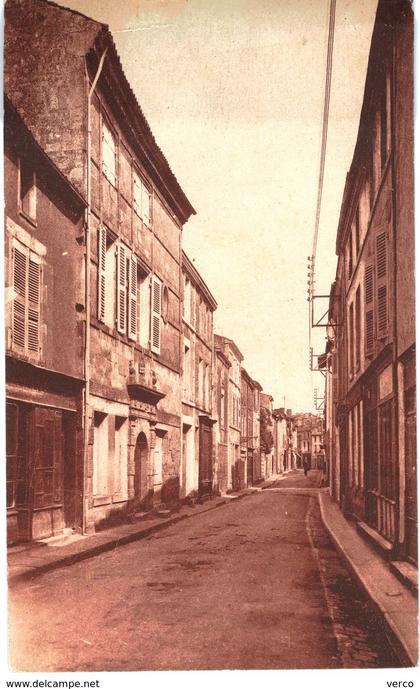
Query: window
106	277
155	315
351	339
100	453
142	198
207	387
382	283
350	254
358	333
222	407
160	446
16	432
109	154
187	371
369	312
120	458
25	316
27	189
187	299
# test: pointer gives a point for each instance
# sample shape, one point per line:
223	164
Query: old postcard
209	337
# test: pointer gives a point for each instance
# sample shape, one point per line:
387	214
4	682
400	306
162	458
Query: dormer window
27	189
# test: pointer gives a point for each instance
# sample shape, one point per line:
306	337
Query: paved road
253	584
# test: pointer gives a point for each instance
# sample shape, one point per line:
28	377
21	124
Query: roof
99	37
158	160
196	278
223	341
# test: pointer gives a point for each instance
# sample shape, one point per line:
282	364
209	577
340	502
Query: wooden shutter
101	272
122	289
132	299
369	310
19	309
156	314
34	274
26	301
381	284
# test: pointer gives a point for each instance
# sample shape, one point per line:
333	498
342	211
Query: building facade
198	461
267	456
221	408
45	322
371	337
249	431
133	347
284	440
236	465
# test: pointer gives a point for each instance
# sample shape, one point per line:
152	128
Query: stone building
284	440
235	469
133	347
44	216
197	397
221	409
268	468
371	428
249	431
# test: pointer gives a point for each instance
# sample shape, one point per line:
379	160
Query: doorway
141	454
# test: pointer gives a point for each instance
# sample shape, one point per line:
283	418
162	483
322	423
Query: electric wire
324	140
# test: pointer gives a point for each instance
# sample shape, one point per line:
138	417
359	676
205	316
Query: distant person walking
305	465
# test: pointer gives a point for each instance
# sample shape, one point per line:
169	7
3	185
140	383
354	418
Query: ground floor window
110	455
16	454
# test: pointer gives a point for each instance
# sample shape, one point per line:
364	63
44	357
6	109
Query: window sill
28	218
99	500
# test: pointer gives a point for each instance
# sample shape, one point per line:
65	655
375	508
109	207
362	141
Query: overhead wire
324	140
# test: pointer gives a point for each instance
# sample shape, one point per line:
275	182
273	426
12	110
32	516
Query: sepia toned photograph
210	364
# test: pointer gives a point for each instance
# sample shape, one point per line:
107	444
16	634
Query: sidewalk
394	601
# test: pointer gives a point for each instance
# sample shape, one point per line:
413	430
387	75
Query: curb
393	634
69	560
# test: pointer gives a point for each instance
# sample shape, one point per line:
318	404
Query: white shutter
19	311
26	300
145	204
101	272
132	299
122	289
33	303
108	154
156	303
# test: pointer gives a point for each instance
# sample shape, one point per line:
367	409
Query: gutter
87	286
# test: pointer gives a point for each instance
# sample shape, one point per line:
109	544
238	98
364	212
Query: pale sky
233	91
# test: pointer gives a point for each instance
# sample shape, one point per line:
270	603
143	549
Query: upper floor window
123	290
26	305
27	189
187	299
109	154
142	198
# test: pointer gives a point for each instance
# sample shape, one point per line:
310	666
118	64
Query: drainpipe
87	285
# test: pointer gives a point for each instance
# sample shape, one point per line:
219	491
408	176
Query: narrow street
255	584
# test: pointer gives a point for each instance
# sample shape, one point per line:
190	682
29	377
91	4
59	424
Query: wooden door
47	493
205	472
250	468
